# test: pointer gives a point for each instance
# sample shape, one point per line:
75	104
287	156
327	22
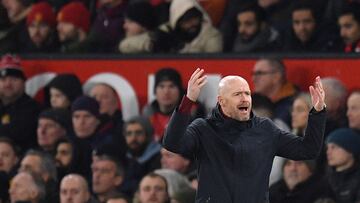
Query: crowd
179	26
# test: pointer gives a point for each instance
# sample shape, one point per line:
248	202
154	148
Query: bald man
74	189
233	147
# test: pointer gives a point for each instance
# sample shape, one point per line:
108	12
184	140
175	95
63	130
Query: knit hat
347	139
144	122
75	13
41	13
142	13
86	103
60	116
69	84
10	66
168	74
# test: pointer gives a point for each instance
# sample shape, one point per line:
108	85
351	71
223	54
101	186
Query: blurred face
338	157
63	154
48	133
349	29
173	161
106	97
303	24
8	158
132	28
167	94
135	136
13	8
58	99
22	188
248	27
299	114
263	77
39	32
11	88
73	190
152	190
296	172
67	31
353	112
191	27
118	200
31	163
104	176
235	98
84	123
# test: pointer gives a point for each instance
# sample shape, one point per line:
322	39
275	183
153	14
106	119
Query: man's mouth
243	108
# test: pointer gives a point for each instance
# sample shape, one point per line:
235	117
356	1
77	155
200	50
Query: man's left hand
317	95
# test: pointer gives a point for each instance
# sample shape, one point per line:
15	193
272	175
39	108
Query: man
175	162
9	155
349	22
253	33
232	144
75	189
153	188
353	110
343	157
26	187
269	78
18	112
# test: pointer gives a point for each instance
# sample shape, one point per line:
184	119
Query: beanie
145	124
86	103
69	84
10	66
41	13
75	13
142	13
168	74
347	139
60	116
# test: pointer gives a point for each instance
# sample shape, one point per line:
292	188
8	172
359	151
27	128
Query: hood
179	7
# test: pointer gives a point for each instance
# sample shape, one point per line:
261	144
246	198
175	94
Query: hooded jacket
235	158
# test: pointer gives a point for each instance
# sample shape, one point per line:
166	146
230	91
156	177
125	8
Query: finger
320	83
194	73
202	83
200	80
312	92
198	75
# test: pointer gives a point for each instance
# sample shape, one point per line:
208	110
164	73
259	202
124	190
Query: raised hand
195	83
317	95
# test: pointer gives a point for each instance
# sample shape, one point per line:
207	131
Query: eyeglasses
261	73
136	133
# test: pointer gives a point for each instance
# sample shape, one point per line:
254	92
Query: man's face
8	158
48	133
135	136
353	112
32	164
349	29
67	32
152	190
263	77
84	123
39	32
191	27
338	157
64	154
248	27
167	93
304	24
235	99
13	8
106	97
296	172
299	114
104	176
58	99
173	161
132	28
73	190
11	88
22	188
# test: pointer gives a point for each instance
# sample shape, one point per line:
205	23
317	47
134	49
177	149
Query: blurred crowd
179	26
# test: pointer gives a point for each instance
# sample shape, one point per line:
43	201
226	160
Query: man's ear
220	100
118	180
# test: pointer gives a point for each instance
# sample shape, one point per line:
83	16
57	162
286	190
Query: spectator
176	182
153	188
118	198
343	157
26	187
65	158
353	110
299	113
176	162
75	189
18	111
41	28
349	22
9	156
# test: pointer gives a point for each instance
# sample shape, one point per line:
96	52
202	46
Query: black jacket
235	158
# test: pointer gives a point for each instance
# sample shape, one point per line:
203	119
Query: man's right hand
195	83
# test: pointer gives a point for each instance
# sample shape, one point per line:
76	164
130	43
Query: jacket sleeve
308	147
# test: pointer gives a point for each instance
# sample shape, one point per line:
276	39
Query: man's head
349	22
26	187
300	111
107	98
40	22
8	154
12	79
250	20
138	133
85	116
15	8
303	21
342	148
189	25
53	124
353	110
268	74
234	97
64	153
174	161
335	96
139	18
74	189
153	188
73	22
296	172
